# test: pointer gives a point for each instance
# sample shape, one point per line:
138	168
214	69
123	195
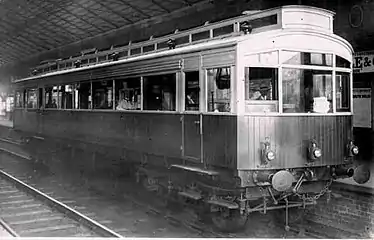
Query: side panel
220	140
153	133
192	137
26	120
289	137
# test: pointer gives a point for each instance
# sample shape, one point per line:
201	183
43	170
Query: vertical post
141	93
114	94
182	92
91	94
280	82
334	83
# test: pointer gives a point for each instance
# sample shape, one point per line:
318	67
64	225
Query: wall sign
363	62
356	16
362	107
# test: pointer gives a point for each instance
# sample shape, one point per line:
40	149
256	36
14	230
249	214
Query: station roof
31	27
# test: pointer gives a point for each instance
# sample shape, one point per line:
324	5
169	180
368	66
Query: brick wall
350	211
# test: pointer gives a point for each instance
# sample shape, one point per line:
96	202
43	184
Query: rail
95	226
8	228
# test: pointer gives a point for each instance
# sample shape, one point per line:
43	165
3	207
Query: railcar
249	114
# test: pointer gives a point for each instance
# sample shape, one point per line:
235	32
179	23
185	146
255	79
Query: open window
192	91
68	96
84	100
261	89
32	98
219	89
102	94
160	92
19	99
128	94
52	97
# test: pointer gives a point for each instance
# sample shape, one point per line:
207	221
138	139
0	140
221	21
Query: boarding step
194	169
190	194
223	203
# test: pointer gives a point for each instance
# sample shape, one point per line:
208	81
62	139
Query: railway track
28	212
177	218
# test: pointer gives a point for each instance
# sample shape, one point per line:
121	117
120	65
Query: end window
307	91
261	89
343	97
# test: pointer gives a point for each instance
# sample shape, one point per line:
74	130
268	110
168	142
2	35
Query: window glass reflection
305	58
192	91
219	92
343	97
128	95
307	91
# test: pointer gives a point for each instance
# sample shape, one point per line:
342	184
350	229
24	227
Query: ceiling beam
95	15
135	8
11	53
81	19
48	11
182	12
59	6
28	43
24	26
106	6
160	6
52	42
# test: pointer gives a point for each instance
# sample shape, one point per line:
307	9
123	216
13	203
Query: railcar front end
295	121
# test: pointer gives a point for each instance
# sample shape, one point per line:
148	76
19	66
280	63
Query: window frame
278	65
205	107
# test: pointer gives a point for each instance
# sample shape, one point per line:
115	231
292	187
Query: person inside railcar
103	94
84	95
53	104
192	90
261	91
127	94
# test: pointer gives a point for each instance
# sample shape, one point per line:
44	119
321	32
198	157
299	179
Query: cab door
192	118
192	126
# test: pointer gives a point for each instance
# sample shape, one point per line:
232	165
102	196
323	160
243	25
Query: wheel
229	220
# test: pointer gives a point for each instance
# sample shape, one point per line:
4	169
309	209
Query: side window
261	89
83	93
343	95
219	91
51	97
128	94
32	98
19	99
192	91
261	84
67	97
40	95
103	94
160	92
